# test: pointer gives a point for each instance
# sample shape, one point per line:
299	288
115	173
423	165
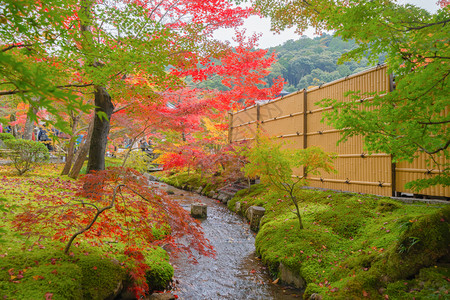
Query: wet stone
256	213
199	210
162	296
237	207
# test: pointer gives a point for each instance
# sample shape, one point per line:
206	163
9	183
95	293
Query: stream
236	272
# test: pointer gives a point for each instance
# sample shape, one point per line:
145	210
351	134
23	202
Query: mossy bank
353	246
35	268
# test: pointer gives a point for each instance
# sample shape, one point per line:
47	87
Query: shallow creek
235	273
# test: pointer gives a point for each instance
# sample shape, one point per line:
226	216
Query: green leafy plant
275	165
402	248
6	136
25	154
138	160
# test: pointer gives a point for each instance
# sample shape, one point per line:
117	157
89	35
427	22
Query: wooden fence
295	118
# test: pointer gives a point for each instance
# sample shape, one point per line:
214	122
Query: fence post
393	165
258	119
305	123
305	114
230	129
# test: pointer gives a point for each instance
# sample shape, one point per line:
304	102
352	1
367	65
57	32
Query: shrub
138	160
6	136
26	154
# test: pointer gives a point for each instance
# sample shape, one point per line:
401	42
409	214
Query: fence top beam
316	88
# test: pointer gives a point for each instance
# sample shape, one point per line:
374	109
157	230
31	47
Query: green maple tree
275	164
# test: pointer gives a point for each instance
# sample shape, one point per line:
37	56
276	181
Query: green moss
44	271
385	205
430	283
161	272
341	216
421	245
353	246
191	181
313	288
100	275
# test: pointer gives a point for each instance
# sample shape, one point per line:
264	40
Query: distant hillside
310	62
306	62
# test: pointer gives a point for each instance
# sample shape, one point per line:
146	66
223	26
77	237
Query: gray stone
225	199
289	277
151	177
315	296
199	210
199	190
255	215
237	207
161	296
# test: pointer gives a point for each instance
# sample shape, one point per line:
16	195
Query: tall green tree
413	118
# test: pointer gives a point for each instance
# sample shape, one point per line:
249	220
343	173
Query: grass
36	268
353	246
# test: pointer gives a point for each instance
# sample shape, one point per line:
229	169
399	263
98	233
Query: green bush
6	136
25	154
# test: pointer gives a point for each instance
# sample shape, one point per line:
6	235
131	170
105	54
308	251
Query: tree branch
4	93
16	46
99	212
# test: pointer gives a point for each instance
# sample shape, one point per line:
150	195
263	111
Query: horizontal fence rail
296	120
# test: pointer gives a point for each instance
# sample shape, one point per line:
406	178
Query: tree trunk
82	152
12	118
71	146
29	124
100	132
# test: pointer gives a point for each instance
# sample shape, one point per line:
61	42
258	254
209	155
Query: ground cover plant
42	212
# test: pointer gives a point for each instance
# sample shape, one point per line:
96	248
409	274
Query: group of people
42	136
7	129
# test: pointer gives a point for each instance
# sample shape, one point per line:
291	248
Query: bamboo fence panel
297	120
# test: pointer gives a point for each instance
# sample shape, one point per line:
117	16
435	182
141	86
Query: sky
269	39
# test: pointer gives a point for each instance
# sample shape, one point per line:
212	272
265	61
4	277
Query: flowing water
236	273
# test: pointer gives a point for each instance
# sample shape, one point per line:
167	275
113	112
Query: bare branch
4	93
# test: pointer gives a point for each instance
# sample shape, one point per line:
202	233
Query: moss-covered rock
41	272
100	276
161	272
